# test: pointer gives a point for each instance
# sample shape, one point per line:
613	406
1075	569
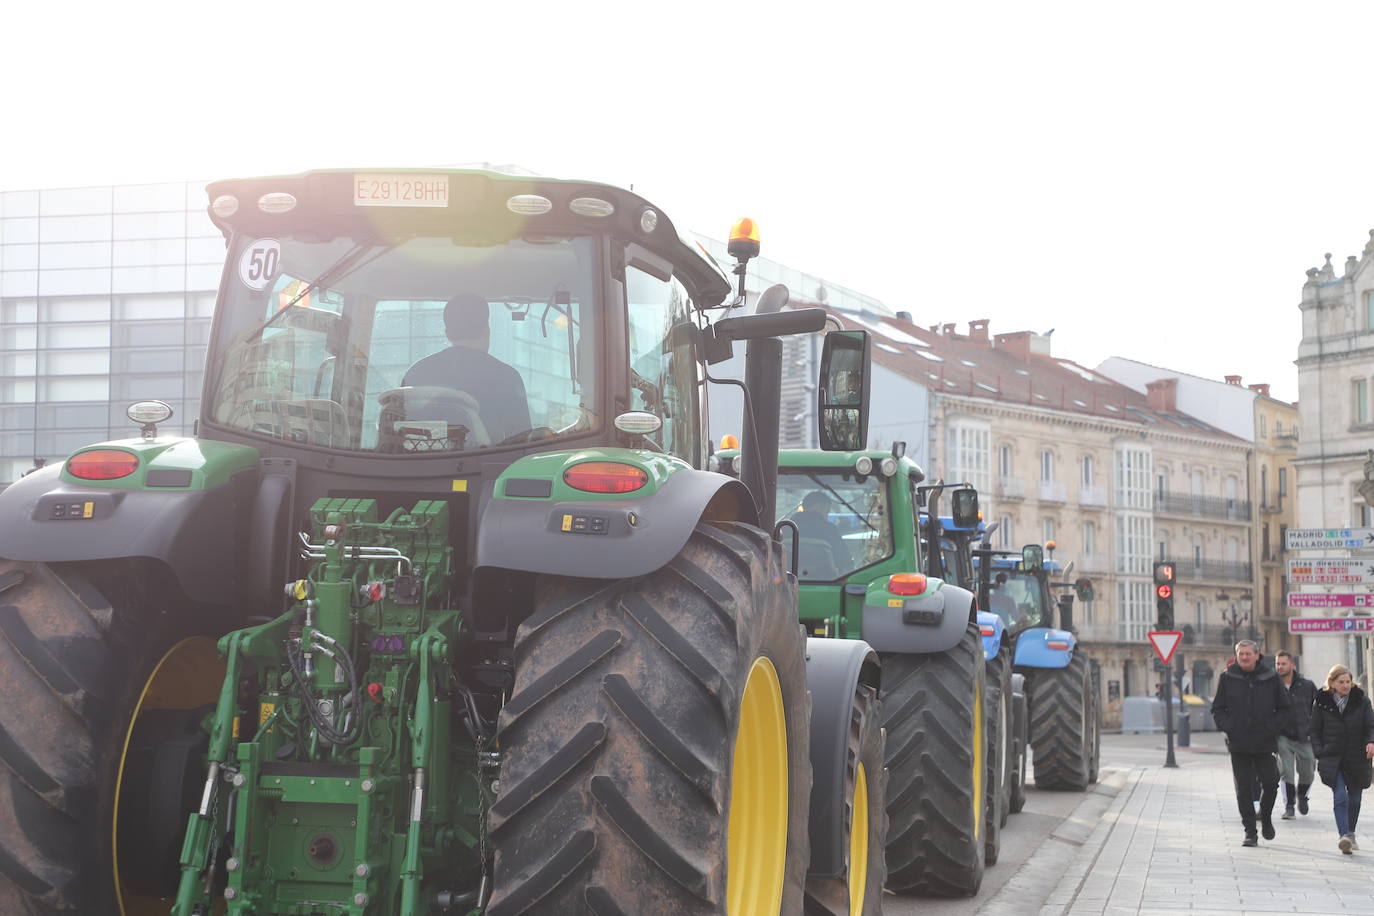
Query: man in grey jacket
1297	763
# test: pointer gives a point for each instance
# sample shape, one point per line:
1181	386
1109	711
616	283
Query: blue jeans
1347	805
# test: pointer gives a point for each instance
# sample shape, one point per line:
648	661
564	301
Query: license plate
400	190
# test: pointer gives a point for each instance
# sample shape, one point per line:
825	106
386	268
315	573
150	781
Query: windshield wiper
350	261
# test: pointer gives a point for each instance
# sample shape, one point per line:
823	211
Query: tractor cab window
663	368
422	345
1017	598
843	519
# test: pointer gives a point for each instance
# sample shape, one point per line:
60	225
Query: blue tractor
1064	716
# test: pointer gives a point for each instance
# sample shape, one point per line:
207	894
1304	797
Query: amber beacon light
744	239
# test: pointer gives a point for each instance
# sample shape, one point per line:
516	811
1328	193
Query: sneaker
1302	804
1345	844
1267	828
1288	814
1252	840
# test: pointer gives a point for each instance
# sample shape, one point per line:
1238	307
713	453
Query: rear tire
937	769
620	740
999	757
1062	720
78	643
836	896
1016	798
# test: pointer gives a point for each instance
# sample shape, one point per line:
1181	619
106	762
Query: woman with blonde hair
1343	740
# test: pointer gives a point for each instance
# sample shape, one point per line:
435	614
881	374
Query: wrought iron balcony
1190	570
1092	496
1219	507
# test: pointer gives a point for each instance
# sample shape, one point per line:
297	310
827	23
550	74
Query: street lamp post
1239	611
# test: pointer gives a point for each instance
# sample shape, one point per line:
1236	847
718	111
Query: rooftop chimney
1233	380
905	316
978	330
947	329
1261	387
1015	344
1162	394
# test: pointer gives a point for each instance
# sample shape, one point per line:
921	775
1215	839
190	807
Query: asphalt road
1050	825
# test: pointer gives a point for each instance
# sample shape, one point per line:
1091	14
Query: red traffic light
1164	591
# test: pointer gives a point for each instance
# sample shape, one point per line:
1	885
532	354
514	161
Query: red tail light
102	464
1061	644
987	629
605	477
906	584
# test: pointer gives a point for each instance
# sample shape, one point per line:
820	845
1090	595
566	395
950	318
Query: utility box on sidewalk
1144	715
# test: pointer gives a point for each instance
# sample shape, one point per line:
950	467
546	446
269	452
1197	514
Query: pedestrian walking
1343	739
1252	707
1297	763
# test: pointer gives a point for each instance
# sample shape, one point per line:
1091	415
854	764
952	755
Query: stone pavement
1170	843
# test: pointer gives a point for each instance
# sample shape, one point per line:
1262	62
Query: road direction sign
1342	571
1330	539
1309	626
1165	642
1323	599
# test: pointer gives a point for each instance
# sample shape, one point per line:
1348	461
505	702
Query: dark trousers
1346	802
1247	769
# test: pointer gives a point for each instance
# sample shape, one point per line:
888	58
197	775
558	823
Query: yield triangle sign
1165	642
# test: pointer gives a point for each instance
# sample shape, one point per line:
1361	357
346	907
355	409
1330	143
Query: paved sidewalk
1170	843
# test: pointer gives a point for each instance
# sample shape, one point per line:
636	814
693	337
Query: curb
1053	875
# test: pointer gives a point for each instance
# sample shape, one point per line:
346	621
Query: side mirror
1084	589
843	392
964	507
1032	558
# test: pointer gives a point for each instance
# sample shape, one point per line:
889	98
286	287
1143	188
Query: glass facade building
105	299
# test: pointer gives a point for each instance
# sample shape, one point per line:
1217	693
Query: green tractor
856	516
439	611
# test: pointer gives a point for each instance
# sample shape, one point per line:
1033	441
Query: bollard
1185	729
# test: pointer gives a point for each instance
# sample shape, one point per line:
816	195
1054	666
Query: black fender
834	669
197	533
930	623
616	538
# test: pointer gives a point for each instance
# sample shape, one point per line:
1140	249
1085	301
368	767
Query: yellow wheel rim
756	850
858	844
978	758
188	676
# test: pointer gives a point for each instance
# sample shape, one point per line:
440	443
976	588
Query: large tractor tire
1000	739
937	746
105	674
1016	797
1063	725
859	891
655	746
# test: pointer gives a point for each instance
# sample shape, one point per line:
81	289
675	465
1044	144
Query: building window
1283	481
1360	400
1132	477
1365	515
1089	471
1264	485
1137	610
1004	461
1133	536
1046	465
1198	614
1046	530
1369	311
1197	554
1004	532
969	454
1089	538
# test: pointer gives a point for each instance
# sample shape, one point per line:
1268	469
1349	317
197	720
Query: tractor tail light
987	629
102	464
1061	644
605	477
906	584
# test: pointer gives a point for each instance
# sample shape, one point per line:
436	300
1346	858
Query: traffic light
1164	595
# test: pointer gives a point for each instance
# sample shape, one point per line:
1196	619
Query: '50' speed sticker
259	263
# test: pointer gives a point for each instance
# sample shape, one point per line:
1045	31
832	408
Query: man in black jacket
1297	763
1252	707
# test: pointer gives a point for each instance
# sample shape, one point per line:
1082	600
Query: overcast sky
1150	180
